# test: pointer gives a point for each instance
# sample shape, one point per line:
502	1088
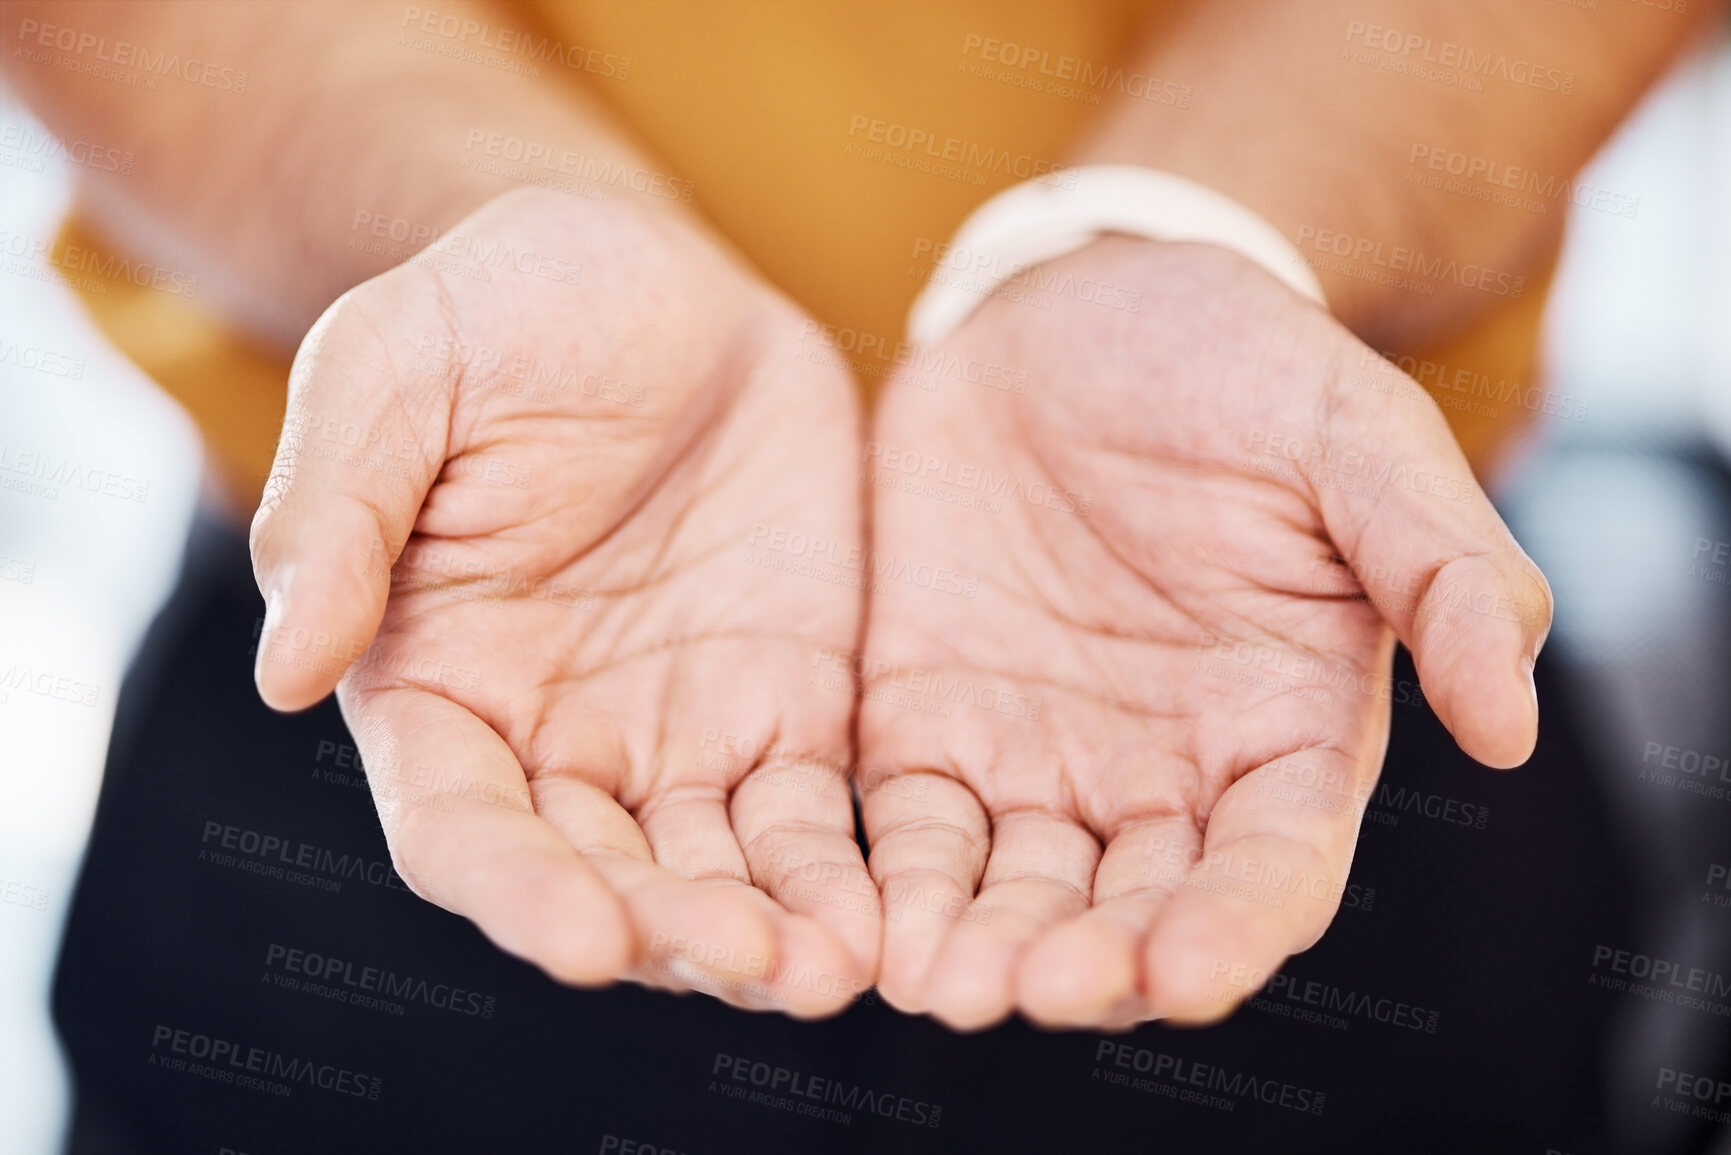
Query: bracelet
1040	219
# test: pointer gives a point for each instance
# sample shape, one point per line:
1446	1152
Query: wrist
1039	221
363	194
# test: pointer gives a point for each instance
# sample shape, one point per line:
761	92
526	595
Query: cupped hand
1192	529
510	521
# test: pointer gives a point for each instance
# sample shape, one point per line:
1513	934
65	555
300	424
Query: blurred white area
1639	322
84	567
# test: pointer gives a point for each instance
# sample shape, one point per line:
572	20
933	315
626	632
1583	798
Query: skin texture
1198	686
583	711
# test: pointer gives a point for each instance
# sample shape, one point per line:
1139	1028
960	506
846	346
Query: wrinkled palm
543	461
1143	744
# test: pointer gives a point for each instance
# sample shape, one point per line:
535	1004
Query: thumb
1422	540
364	437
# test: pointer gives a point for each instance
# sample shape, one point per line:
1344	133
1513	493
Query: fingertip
1207	1015
293	668
970	1016
815	975
288	691
712	938
1075	975
913	936
971	985
1481	626
1493	715
325	584
861	936
1179	983
566	921
592	949
906	997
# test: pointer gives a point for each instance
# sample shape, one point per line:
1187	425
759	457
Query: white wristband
1039	220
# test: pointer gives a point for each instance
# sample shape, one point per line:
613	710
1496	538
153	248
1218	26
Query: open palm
518	487
1147	740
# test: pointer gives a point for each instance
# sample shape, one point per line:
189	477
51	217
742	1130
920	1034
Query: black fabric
1492	929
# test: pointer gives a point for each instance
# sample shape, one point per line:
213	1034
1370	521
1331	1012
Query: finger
1429	550
471	841
359	451
775	958
1273	866
1086	972
929	840
713	936
794	818
1041	872
689	885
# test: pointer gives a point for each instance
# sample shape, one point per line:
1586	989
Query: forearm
1311	113
272	194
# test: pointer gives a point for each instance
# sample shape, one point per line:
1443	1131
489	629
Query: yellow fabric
755	102
770	109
